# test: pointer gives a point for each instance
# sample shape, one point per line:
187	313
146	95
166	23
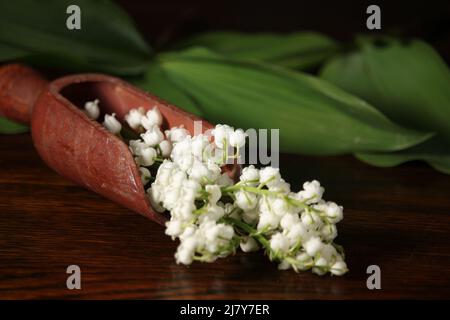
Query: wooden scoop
74	145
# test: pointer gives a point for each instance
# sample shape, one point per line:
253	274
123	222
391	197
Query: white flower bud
152	118
214	193
237	138
92	110
279	242
339	268
312	192
171	196
177	134
221	135
166	148
311	218
284	265
270	176
153	136
334	212
319	271
328	252
177	178
199	170
312	246
213	213
147	156
112	124
280	186
321	262
145	175
268	219
154	197
188	232
183	210
307	219
211	230
304	261
250	173
181	155
246	200
198	143
186	251
280	207
288	221
297	232
251	216
134	118
248	244
226	231
136	146
190	189
328	232
173	228
184	256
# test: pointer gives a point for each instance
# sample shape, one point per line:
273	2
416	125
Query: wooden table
396	218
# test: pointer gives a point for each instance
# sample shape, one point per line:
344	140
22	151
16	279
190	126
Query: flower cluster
189	185
212	216
296	229
110	122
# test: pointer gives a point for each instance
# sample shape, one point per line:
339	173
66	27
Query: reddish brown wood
20	87
82	150
396	218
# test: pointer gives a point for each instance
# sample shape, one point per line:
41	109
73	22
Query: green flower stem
250	230
258	190
202	195
158	149
298	203
225	147
239	186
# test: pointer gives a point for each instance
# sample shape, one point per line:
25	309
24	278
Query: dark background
162	22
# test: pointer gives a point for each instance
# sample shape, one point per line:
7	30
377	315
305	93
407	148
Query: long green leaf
314	117
157	83
407	81
108	40
299	50
10	127
435	152
8	53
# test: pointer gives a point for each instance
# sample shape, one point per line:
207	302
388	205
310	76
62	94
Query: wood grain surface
396	218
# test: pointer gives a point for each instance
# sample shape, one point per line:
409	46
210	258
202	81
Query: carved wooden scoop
74	145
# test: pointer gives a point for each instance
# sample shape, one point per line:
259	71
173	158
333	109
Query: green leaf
8	53
108	40
314	117
407	81
299	50
10	127
435	152
156	82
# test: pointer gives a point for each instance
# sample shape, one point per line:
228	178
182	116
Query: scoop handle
20	86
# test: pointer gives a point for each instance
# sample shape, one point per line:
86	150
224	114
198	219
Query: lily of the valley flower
92	109
212	216
112	124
